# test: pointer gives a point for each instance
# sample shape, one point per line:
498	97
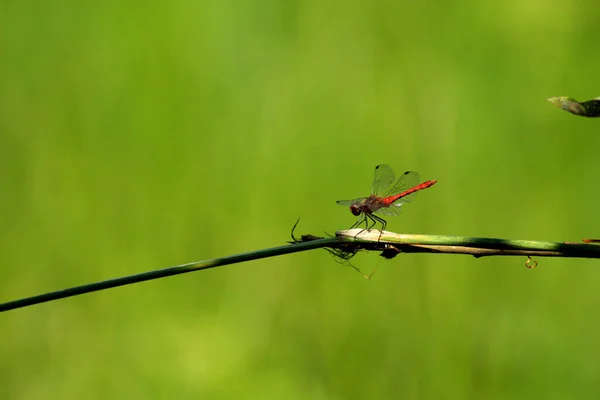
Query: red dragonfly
387	196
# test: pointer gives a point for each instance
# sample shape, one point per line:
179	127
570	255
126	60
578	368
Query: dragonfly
387	197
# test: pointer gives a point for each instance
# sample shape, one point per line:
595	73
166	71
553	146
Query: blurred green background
140	135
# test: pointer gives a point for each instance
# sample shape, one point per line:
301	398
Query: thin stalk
344	245
162	273
477	247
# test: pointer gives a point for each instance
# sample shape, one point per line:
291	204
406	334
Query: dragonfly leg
383	223
371	220
363	218
375	219
359	221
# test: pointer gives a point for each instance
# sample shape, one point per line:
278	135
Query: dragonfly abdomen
390	200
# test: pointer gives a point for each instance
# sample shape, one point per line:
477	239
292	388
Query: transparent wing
406	181
350	202
391	211
384	178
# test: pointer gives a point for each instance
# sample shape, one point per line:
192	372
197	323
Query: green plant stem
477	247
346	243
162	273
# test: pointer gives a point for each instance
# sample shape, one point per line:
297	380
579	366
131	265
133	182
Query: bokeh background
140	135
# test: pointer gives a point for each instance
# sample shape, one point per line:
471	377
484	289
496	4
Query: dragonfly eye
355	209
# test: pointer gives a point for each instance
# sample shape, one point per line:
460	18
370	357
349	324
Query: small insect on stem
387	197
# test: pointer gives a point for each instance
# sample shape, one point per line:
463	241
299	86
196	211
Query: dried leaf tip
590	108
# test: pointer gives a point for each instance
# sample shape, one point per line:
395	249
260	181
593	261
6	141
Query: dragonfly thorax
365	206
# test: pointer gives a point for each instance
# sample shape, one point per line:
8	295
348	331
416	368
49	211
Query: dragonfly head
355	209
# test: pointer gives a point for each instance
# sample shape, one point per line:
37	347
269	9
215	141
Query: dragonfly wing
390	211
406	181
350	202
384	179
